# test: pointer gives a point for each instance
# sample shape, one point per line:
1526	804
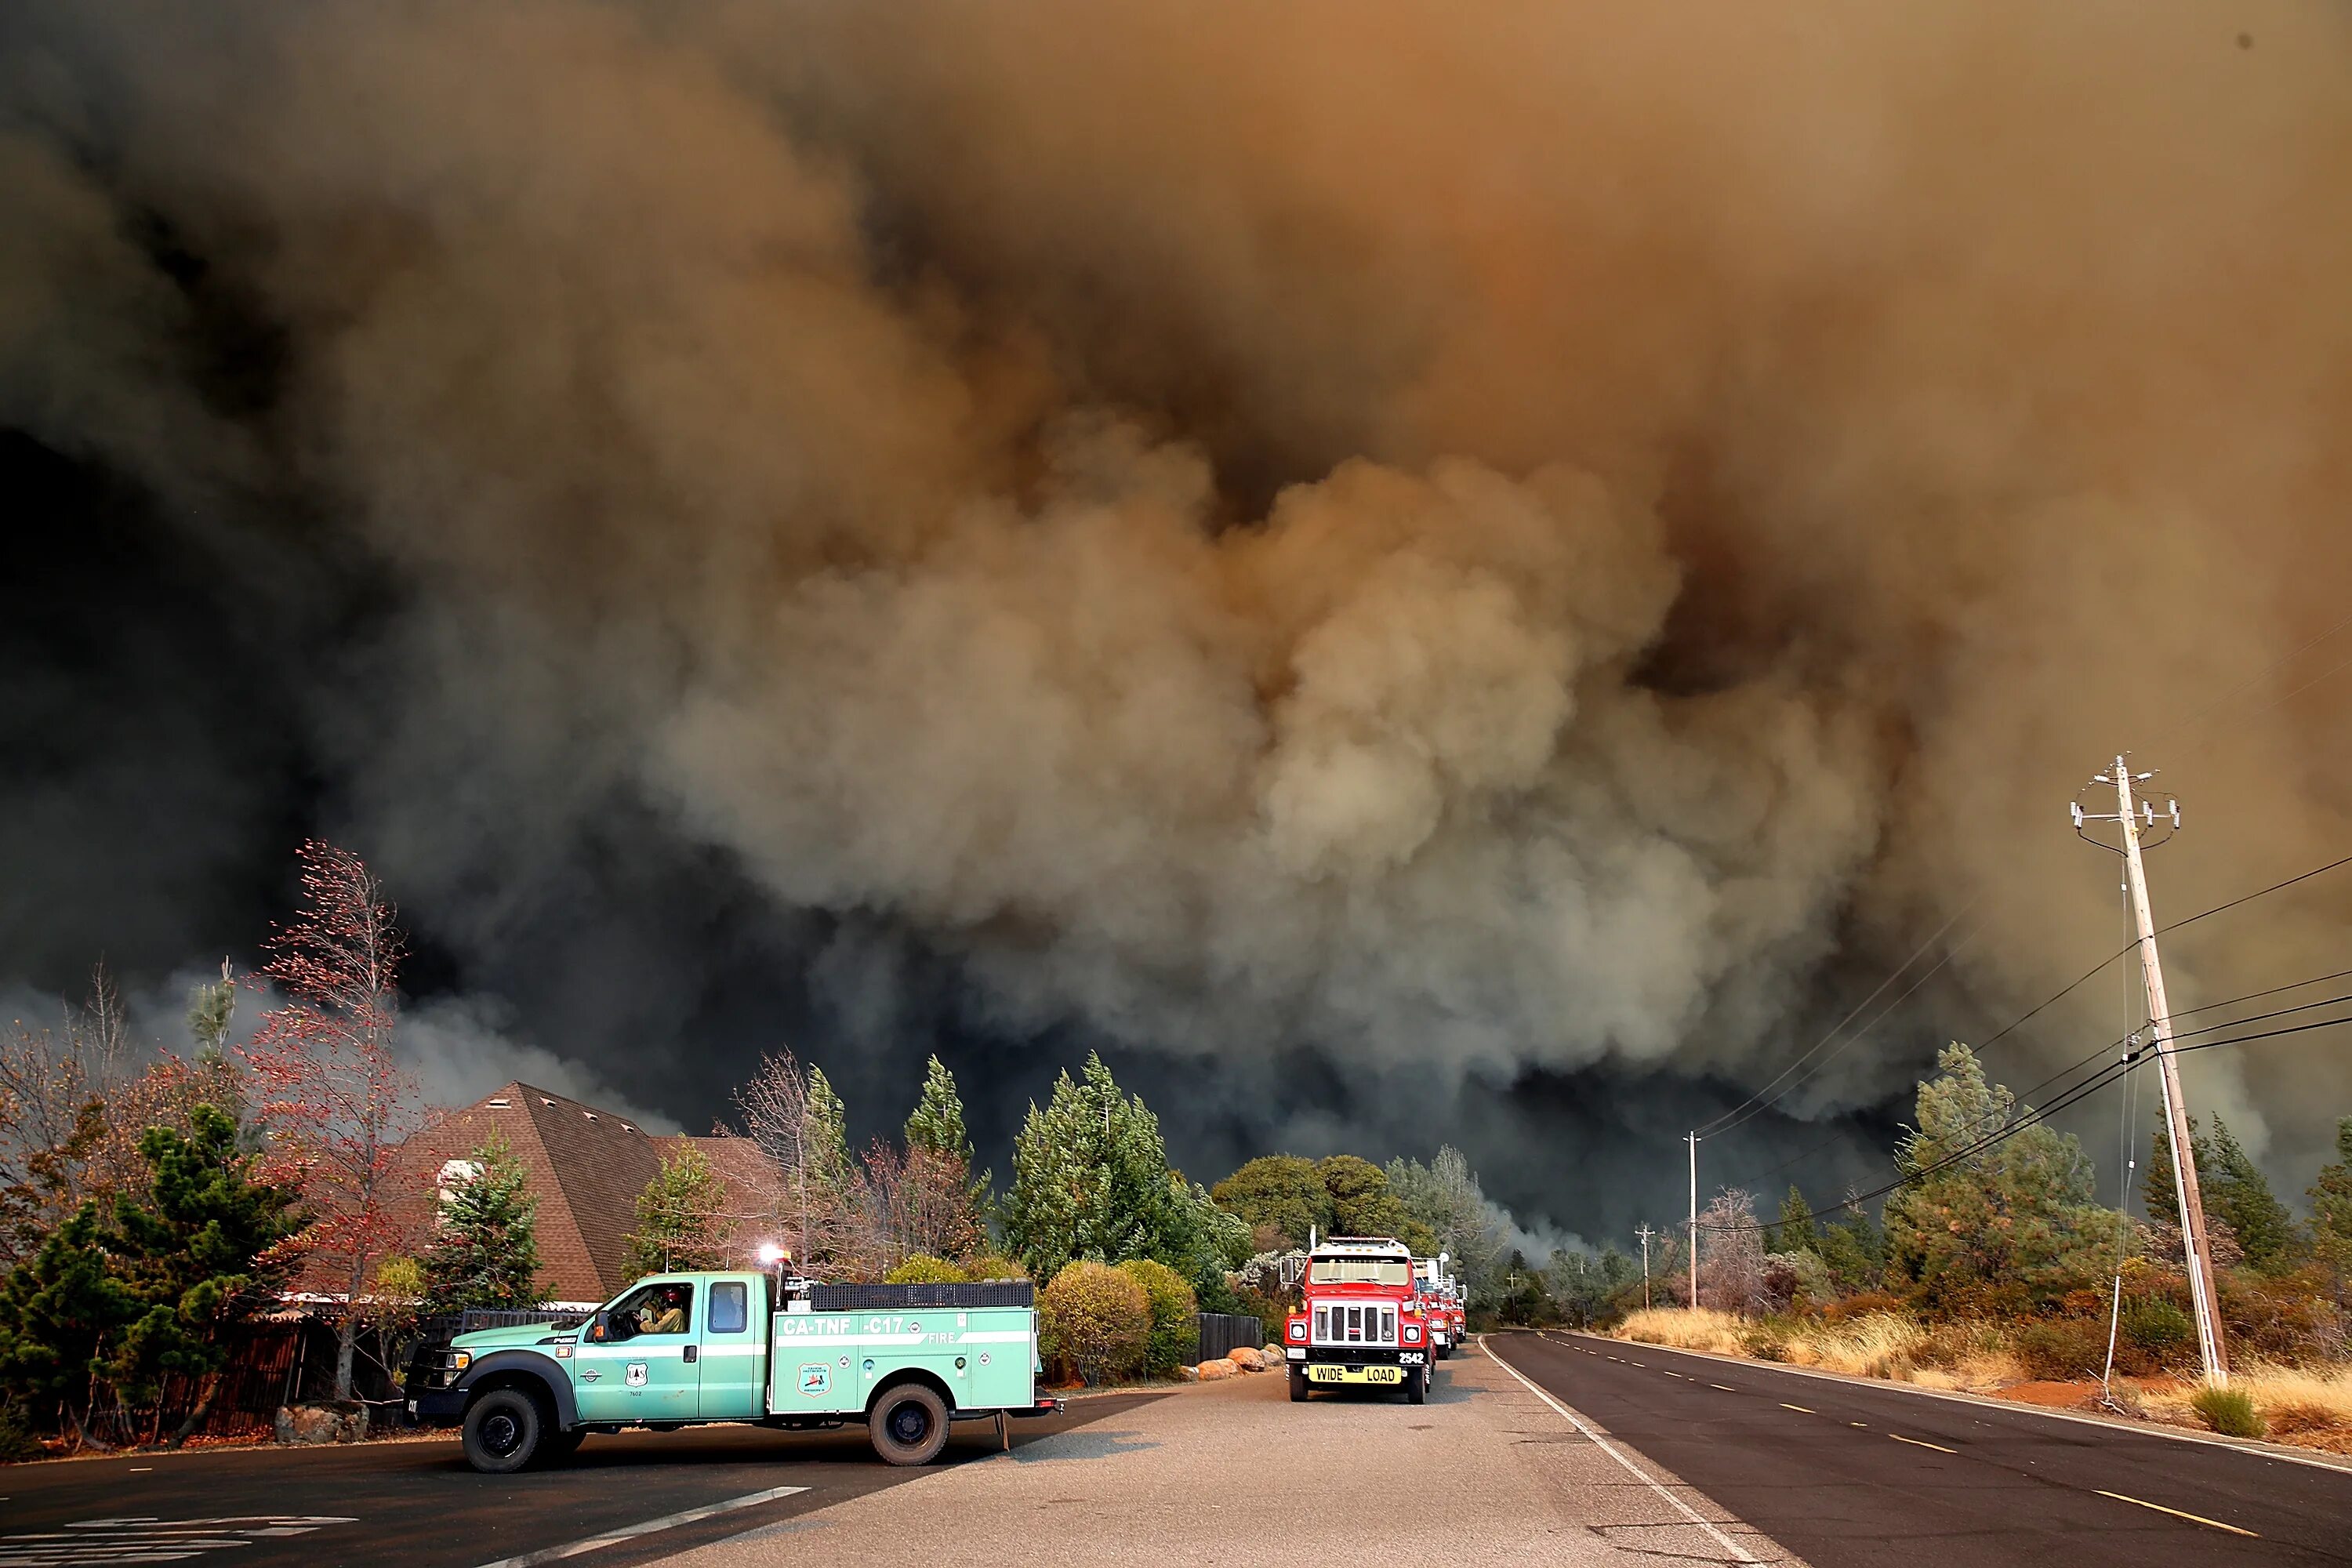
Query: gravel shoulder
1488	1471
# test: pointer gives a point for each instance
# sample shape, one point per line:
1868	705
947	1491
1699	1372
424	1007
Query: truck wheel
504	1430
1298	1386
1416	1386
909	1425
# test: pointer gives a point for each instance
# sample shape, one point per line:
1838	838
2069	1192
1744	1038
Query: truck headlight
1413	1333
459	1361
1297	1330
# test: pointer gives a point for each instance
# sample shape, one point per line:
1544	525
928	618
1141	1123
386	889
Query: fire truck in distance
1361	1324
1441	1304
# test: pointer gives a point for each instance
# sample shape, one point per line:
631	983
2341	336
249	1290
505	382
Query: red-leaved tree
337	1107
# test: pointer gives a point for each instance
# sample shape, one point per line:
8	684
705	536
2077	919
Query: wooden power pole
2133	817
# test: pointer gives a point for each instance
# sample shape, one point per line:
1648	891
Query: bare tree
339	1109
1731	1252
793	1118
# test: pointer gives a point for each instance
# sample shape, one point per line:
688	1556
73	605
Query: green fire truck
680	1350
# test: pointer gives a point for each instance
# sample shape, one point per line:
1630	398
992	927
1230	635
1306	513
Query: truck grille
1352	1323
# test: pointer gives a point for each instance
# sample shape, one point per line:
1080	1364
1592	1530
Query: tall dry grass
2310	1407
1877	1344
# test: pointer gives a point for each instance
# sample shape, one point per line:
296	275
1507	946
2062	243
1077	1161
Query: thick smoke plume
1418	546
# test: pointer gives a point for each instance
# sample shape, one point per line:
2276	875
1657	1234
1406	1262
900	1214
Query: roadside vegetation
1997	1271
160	1204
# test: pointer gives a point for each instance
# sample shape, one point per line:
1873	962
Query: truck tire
1298	1386
1416	1386
505	1429
909	1425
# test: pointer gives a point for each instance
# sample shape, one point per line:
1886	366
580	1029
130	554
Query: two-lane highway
1849	1475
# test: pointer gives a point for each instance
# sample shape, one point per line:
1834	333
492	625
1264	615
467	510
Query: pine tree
1797	1231
942	1206
59	1309
2238	1192
2156	1190
936	1124
1444	1197
2011	1226
1090	1179
1855	1250
681	1217
195	1255
487	1252
2331	1206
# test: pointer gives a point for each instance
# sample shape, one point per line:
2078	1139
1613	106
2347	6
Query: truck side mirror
596	1329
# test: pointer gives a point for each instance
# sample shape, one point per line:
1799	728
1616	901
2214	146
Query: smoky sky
1409	577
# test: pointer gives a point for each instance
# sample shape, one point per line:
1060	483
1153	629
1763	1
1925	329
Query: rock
335	1421
1187	1375
1210	1370
1247	1358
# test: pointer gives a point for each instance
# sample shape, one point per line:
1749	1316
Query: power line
2034	1118
2252	995
1758	1101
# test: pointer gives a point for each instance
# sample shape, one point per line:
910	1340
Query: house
586	1166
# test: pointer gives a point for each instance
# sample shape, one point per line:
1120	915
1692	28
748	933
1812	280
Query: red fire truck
1440	1306
1362	1322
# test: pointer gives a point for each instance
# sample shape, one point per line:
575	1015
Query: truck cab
684	1349
1361	1322
1434	1291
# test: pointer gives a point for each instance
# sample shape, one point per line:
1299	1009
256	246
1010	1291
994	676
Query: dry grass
1877	1344
1679	1328
2311	1408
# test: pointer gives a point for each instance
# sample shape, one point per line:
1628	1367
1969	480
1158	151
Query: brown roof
586	1167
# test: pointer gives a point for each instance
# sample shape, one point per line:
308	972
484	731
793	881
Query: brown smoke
1529	535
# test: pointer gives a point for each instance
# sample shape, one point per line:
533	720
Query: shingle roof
586	1166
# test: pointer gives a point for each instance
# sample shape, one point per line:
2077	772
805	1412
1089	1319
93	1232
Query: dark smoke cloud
1409	576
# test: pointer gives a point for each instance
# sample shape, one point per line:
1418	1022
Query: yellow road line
1864	1425
1725	1386
2176	1513
1920	1443
1799	1408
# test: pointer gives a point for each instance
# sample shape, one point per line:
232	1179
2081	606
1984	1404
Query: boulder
1187	1375
334	1421
1210	1370
1247	1358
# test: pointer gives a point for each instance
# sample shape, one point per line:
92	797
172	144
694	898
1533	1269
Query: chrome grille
1354	1323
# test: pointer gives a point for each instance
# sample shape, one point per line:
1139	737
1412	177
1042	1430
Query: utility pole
2199	1257
1645	1233
1694	1221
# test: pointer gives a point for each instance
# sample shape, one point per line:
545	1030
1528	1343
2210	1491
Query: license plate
1323	1372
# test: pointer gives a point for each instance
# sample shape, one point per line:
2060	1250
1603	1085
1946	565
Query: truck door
645	1367
734	1362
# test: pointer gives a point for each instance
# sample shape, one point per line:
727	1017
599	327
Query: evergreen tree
59	1309
1796	1232
2156	1190
2011	1226
682	1216
940	1207
1361	1203
211	1008
2237	1191
486	1251
2331	1206
195	1256
1854	1248
1446	1201
828	1138
1090	1179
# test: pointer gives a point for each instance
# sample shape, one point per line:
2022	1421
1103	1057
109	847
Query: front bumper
1345	1356
436	1406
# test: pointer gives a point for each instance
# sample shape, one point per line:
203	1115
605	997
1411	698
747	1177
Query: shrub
16	1438
2063	1348
2228	1411
994	1266
1096	1319
2158	1330
1861	1305
924	1269
1173	1335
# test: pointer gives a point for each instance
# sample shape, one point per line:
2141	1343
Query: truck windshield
1358	1271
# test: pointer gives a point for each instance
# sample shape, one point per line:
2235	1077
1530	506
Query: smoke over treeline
1470	575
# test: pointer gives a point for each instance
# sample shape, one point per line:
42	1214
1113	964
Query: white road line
2176	1513
1739	1552
1922	1443
649	1527
1798	1408
1725	1386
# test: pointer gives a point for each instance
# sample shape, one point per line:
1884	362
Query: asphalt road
1849	1476
416	1504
